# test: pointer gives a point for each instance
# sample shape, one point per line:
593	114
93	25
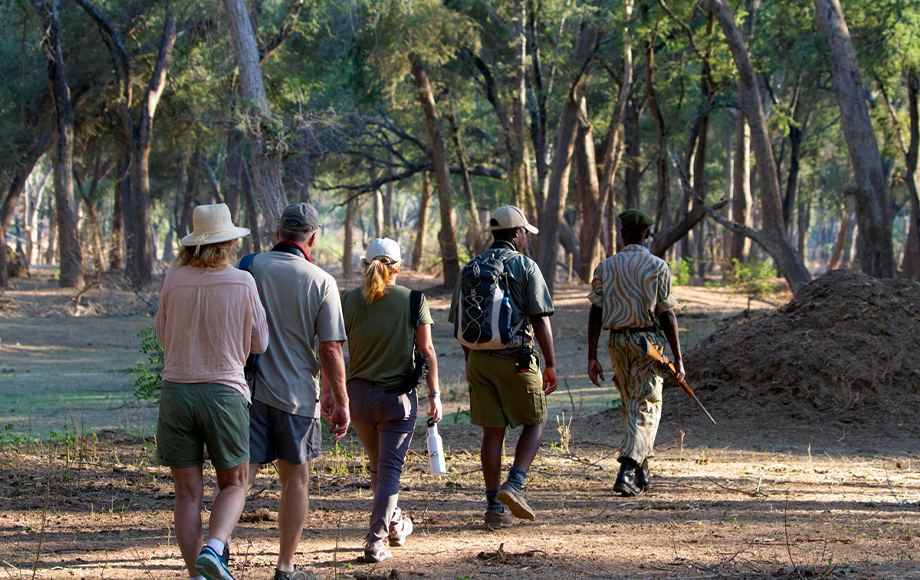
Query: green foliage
757	277
681	270
148	374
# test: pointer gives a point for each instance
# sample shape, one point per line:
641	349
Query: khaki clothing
381	338
501	395
632	287
302	306
527	293
639	380
208	323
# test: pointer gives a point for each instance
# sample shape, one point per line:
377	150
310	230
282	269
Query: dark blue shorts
274	434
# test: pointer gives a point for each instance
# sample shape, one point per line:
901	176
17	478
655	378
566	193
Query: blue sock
516	477
493	505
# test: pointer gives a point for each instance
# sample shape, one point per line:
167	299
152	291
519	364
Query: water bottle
435	449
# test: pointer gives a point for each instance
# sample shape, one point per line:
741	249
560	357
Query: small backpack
483	317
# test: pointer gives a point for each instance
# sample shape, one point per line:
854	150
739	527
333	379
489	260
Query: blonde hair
377	275
208	256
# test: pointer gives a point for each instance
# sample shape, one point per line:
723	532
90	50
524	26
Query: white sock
217	546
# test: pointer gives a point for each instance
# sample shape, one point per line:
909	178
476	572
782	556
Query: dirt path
740	501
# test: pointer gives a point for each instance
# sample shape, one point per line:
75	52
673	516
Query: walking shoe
297	574
376	552
495	520
515	501
627	483
400	527
643	477
213	566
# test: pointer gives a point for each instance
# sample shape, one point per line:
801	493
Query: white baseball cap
383	247
508	216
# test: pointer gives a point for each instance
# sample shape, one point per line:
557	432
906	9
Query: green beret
635	219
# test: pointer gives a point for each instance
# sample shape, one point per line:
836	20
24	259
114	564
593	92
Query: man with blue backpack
501	305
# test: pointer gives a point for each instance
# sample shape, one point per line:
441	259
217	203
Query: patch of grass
681	270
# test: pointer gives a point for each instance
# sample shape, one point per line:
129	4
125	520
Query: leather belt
633	330
500	355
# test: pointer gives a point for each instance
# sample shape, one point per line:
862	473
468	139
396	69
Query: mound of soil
844	351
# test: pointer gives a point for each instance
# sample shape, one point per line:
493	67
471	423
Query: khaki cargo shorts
500	396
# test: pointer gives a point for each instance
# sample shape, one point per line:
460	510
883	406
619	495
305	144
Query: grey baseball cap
300	216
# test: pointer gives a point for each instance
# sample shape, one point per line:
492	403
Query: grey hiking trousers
384	424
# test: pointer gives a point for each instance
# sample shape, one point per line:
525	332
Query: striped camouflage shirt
632	287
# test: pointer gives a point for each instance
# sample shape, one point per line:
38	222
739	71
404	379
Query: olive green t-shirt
381	337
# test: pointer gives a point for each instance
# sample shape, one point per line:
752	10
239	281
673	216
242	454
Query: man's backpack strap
251	369
246	262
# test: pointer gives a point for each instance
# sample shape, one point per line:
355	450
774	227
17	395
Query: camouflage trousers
639	380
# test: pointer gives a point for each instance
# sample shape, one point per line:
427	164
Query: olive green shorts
194	415
500	396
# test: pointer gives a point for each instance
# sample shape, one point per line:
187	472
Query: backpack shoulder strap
246	263
415	307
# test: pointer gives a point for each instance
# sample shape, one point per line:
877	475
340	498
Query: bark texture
447	237
872	205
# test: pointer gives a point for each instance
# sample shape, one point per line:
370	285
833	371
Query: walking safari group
254	363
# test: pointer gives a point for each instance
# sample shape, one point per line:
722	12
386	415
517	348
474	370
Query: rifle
652	351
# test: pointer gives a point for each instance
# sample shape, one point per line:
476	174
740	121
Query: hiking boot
400	527
627	483
495	520
296	574
643	477
212	565
515	501
376	552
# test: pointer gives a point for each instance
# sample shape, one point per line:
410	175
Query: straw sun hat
212	225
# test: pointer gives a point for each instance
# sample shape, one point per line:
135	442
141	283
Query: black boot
643	477
626	483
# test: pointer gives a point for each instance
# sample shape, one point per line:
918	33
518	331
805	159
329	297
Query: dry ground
738	501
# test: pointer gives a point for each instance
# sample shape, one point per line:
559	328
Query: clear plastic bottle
435	449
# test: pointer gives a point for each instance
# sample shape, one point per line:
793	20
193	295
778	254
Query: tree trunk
71	258
840	244
421	227
773	235
142	272
266	169
558	188
663	195
872	204
447	238
633	141
613	150
17	186
592	208
117	239
252	213
350	208
517	168
476	238
910	268
699	177
234	174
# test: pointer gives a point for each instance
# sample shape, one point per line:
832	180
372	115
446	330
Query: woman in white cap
384	328
209	320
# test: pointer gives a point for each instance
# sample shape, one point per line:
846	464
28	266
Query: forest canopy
781	131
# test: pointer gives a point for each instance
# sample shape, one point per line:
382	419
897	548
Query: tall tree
71	257
772	236
447	238
266	169
876	254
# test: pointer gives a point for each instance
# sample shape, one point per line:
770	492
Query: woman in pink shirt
210	319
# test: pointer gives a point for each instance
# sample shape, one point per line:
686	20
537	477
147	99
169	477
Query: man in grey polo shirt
302	306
